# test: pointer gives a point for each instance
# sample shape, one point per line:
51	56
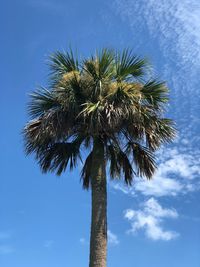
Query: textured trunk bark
98	236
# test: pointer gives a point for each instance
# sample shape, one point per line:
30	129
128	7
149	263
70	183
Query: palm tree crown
105	98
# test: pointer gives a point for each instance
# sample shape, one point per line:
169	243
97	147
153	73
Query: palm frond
90	66
92	78
86	171
91	115
42	101
70	96
53	126
112	155
61	63
155	93
143	158
121	106
128	65
159	131
56	157
106	65
105	97
119	163
126	167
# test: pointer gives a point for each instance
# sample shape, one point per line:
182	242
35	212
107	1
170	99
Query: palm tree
106	105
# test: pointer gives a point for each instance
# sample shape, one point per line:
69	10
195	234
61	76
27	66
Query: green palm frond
92	78
101	66
128	65
42	101
70	96
61	63
106	97
106	63
143	158
155	93
90	66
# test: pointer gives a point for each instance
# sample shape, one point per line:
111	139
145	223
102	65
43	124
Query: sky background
45	220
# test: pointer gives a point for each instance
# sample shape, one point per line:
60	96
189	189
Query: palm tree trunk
98	237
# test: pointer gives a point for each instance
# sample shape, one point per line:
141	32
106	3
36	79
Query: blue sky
45	220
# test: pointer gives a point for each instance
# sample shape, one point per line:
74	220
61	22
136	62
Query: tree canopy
106	97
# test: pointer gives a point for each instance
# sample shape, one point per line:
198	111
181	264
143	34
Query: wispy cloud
149	219
172	28
112	238
175	23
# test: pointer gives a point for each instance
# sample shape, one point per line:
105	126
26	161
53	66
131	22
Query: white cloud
159	186
122	188
150	220
175	23
154	208
172	28
112	238
185	165
177	174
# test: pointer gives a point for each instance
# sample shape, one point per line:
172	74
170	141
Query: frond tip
41	101
128	65
61	63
